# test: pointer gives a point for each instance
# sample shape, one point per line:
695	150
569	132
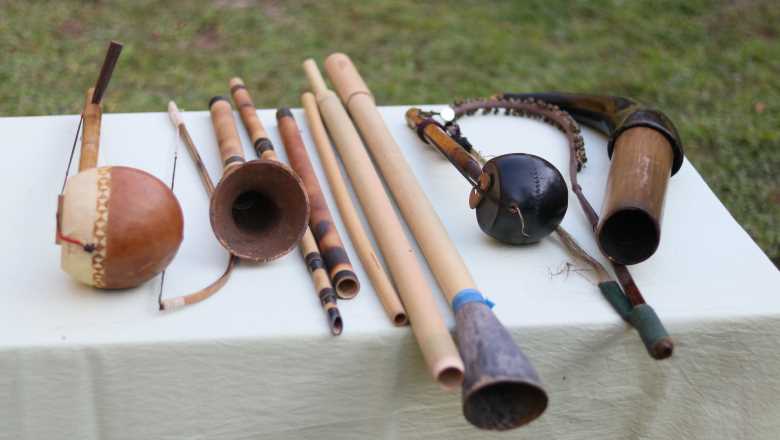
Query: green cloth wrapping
650	329
614	295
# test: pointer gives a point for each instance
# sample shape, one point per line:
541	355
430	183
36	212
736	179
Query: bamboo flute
319	275
432	335
384	288
208	185
501	389
320	221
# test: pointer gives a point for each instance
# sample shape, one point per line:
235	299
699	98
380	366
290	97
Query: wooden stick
427	324
208	184
184	134
376	273
495	366
92	113
320	221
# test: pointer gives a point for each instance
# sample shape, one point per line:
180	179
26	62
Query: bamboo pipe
254	127
321	222
501	390
630	227
314	263
432	335
357	234
230	150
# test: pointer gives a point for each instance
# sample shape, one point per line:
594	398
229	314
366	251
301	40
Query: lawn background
712	66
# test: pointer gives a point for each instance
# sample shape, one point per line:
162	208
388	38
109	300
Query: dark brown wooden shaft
453	151
321	221
90	137
112	55
230	148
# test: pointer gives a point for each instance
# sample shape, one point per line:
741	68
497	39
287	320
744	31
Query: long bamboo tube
384	288
501	389
323	227
427	324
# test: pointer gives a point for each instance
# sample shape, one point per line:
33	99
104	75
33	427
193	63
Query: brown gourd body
128	222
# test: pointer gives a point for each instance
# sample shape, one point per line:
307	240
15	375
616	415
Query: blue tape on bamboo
466	296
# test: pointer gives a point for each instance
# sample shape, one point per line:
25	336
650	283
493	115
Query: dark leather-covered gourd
531	184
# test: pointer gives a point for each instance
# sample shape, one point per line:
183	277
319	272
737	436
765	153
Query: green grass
713	67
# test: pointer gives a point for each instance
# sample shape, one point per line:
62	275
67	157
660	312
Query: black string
173	182
72	152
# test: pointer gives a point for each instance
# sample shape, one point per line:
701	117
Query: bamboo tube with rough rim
432	335
380	280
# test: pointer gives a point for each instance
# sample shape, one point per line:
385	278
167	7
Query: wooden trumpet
645	150
259	209
118	226
501	389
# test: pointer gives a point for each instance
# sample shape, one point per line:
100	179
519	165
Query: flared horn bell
501	389
259	210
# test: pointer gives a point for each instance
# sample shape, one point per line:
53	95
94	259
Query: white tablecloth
257	361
